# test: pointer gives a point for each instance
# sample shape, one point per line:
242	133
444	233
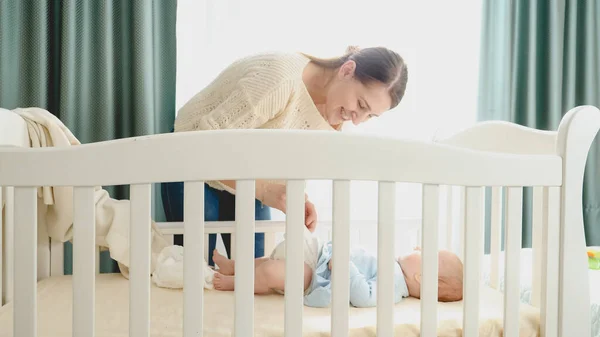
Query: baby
269	272
270	275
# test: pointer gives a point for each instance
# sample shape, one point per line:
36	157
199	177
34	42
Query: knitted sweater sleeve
248	104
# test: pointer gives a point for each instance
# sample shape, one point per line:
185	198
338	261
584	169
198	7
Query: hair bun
352	50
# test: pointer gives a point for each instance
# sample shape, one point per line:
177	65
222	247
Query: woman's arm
262	187
264	190
274	195
249	104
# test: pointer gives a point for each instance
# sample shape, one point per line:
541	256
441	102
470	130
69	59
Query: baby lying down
270	275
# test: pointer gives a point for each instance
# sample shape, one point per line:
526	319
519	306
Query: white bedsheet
526	284
112	310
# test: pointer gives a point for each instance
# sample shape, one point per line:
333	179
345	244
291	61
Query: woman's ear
418	278
347	69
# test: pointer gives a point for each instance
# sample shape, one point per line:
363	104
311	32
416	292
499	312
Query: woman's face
350	100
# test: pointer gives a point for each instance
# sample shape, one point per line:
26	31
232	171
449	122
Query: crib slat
139	278
244	266
25	278
386	258
57	258
341	256
84	261
269	242
449	217
495	235
294	265
462	220
233	249
193	277
9	237
472	254
550	255
206	247
97	255
512	259
1	245
537	226
429	261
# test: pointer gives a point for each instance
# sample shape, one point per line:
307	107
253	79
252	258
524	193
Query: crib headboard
551	162
13	133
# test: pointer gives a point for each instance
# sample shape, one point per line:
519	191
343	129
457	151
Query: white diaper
312	248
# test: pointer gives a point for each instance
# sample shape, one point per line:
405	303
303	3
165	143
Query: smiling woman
284	90
359	85
441	94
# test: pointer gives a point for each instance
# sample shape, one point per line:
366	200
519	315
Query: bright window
439	40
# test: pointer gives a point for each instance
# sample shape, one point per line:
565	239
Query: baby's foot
226	266
223	282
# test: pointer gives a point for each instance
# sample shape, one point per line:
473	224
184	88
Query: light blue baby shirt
363	280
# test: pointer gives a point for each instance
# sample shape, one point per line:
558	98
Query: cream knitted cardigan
263	91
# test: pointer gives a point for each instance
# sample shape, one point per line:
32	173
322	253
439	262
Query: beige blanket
166	312
112	216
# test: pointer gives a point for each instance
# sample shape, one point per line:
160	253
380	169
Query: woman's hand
274	195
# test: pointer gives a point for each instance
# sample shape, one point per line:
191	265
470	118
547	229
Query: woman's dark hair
373	64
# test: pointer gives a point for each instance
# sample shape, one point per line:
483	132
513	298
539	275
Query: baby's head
450	275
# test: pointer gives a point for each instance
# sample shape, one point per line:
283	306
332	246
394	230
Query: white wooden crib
502	155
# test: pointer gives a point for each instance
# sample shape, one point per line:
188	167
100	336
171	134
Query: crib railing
343	158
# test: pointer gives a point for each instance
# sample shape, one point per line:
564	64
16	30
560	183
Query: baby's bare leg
268	275
227	266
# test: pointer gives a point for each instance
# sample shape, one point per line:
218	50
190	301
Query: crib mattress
112	310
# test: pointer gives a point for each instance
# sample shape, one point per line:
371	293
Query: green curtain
105	68
538	60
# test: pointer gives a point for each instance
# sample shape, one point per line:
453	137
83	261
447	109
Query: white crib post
550	257
269	242
139	278
577	131
462	219
512	259
385	258
495	235
9	246
294	266
57	258
449	218
244	267
97	255
429	261
206	247
84	261
25	279
537	227
341	256
233	246
193	271
43	249
472	256
1	247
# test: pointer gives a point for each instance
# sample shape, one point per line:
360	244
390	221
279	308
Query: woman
285	91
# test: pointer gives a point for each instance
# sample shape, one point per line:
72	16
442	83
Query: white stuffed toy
169	269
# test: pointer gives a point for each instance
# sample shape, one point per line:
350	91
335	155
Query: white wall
438	39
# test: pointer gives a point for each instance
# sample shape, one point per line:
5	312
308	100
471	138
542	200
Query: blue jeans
218	206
